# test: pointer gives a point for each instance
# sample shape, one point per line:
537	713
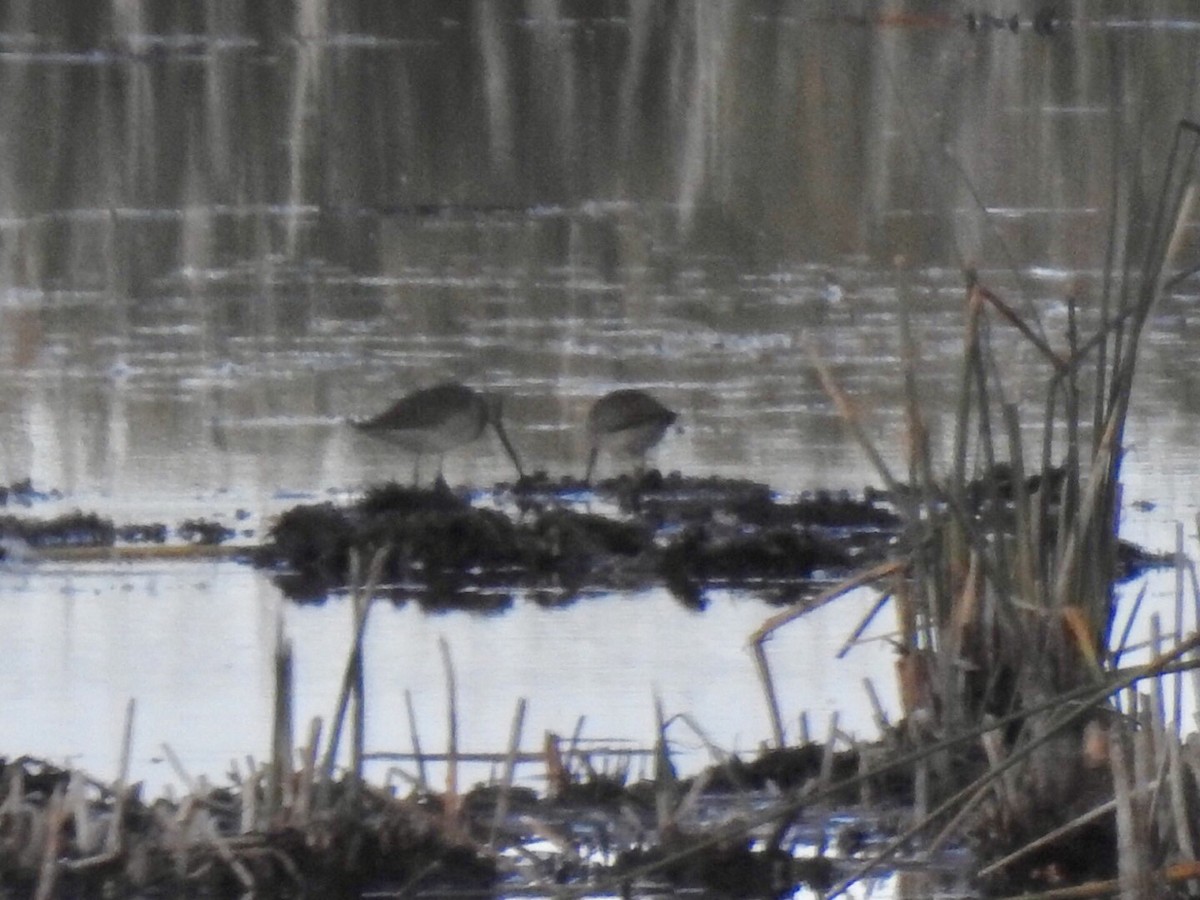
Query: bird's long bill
512	453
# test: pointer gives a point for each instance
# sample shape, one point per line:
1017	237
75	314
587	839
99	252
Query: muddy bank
24	535
556	540
560	539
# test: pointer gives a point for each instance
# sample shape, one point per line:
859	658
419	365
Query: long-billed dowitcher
438	419
625	422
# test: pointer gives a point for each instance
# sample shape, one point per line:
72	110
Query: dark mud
89	530
555	540
561	539
20	533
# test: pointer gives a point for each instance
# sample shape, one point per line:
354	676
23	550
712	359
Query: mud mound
564	537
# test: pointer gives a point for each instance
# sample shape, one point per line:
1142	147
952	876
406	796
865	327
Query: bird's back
432	420
626	409
427	409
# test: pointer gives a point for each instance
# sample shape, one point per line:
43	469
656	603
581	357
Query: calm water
223	232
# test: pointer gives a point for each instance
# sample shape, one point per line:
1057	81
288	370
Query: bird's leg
587	477
440	486
439	483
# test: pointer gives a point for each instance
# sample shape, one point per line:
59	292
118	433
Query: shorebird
626	422
438	419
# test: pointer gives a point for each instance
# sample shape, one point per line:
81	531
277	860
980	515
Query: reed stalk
249	819
358	720
1180	566
665	780
76	800
415	735
48	872
452	799
177	766
576	737
831	733
308	774
510	766
113	841
1184	836
1006	594
1133	867
1068	707
364	592
280	770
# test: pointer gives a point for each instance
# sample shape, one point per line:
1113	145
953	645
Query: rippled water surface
224	232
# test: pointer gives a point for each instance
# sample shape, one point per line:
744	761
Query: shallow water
205	688
223	234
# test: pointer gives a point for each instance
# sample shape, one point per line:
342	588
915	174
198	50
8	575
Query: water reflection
95	636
